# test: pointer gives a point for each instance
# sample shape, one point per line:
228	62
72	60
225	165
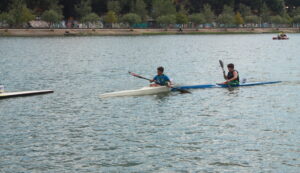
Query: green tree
181	18
54	5
162	8
91	18
51	17
296	19
6	18
166	20
131	19
83	9
295	12
197	19
245	10
208	13
139	8
110	17
20	13
265	13
114	6
252	20
226	17
277	19
238	19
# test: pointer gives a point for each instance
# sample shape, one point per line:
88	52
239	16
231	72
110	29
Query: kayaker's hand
169	85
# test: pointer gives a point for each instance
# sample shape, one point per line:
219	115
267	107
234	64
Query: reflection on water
249	129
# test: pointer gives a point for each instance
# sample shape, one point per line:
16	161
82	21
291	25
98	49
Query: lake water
250	129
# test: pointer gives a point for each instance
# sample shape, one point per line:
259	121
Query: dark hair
161	69
230	65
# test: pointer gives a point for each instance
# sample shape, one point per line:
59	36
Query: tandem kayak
224	85
138	92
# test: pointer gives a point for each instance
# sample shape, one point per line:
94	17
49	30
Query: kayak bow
224	85
138	92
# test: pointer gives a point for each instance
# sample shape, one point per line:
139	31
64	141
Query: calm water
253	129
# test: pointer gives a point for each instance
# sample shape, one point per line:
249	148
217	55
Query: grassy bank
127	32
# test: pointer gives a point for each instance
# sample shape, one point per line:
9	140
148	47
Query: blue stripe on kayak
224	86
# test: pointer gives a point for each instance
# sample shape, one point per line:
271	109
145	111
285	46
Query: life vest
230	76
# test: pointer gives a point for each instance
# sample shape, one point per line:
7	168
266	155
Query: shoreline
137	32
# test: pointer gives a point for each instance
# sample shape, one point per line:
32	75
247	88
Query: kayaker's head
160	70
230	67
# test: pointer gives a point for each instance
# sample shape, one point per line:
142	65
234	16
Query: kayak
138	92
23	93
163	89
224	85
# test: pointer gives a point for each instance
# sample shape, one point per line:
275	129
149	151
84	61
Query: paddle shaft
141	77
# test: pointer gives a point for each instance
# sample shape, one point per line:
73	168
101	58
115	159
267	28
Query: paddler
160	79
232	78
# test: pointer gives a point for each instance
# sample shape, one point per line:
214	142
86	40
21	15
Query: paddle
141	77
222	66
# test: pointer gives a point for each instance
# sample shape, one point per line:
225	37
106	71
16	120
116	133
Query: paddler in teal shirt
161	79
232	78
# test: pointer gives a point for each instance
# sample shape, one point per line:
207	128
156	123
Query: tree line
16	13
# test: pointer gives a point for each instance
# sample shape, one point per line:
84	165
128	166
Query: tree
51	17
139	8
166	20
6	18
197	19
295	12
227	16
265	13
54	5
296	19
276	19
162	7
131	19
110	17
208	13
245	10
19	13
90	18
83	9
114	6
181	18
238	19
252	19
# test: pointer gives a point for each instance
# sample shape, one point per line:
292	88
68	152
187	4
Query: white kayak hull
138	92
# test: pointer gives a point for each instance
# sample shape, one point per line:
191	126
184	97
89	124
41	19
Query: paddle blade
221	63
182	91
133	74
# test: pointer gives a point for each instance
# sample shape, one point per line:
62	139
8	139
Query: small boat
23	93
224	85
280	38
138	92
